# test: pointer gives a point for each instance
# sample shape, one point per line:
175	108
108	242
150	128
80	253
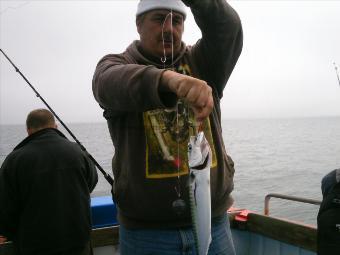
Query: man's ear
138	25
139	22
29	131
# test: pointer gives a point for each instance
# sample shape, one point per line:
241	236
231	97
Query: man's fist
197	93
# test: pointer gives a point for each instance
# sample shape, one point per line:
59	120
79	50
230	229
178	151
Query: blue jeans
175	242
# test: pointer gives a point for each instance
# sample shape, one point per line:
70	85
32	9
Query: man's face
158	34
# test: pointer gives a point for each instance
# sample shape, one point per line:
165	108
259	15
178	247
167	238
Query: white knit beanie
148	5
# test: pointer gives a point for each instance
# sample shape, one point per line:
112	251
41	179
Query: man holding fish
159	96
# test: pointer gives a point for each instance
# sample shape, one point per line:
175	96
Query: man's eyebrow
177	17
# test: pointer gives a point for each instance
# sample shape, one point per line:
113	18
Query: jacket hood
140	58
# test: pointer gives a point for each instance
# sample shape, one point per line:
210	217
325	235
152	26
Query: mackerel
199	156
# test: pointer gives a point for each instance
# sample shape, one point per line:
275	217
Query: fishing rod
337	73
106	175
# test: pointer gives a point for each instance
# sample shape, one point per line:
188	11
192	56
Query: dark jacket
45	186
144	132
328	220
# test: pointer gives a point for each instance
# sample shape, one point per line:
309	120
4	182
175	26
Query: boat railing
287	197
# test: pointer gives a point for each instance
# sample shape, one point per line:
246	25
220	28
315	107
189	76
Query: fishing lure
199	156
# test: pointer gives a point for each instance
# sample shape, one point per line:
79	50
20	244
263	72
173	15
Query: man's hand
197	93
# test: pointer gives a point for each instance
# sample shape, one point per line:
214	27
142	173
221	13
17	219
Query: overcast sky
285	70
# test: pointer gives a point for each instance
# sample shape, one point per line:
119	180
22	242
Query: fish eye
189	147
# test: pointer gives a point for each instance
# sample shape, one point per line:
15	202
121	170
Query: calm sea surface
287	156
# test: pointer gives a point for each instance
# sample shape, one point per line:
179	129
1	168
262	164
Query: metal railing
287	197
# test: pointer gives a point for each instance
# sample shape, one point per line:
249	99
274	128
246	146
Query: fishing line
164	58
337	73
14	7
179	204
106	175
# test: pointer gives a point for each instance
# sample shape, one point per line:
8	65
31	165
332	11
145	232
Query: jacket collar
38	134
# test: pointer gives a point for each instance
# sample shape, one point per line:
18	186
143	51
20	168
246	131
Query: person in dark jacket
328	220
45	186
155	95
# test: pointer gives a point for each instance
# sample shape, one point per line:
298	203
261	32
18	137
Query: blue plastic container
104	212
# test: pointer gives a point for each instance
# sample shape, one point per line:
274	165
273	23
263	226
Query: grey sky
285	70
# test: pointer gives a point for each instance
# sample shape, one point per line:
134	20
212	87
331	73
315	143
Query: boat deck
253	233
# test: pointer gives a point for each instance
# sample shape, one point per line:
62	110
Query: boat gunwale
283	230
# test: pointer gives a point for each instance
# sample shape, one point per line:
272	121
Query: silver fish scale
199	155
193	214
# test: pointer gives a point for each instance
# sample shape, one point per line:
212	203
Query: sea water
286	156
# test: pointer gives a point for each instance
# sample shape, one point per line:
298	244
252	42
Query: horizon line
222	118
